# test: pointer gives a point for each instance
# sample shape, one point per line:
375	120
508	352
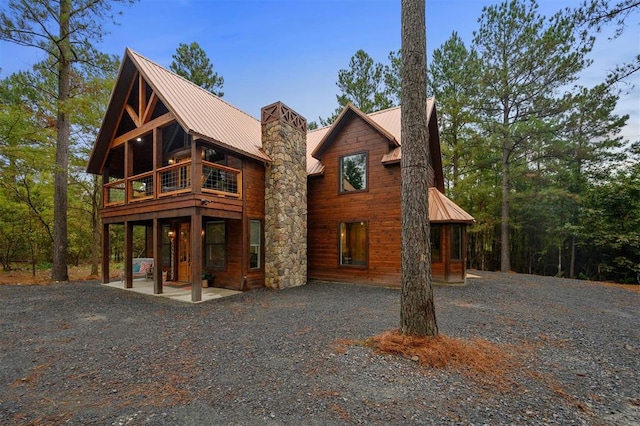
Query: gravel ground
83	354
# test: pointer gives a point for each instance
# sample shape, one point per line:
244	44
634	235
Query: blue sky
291	50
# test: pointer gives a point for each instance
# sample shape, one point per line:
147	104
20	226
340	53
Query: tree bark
59	271
95	224
505	255
417	312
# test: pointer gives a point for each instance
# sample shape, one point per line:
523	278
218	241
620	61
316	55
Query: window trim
341	191
366	245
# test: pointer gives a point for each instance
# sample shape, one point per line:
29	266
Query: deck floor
178	293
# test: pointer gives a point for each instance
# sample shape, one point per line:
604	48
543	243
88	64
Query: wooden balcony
174	180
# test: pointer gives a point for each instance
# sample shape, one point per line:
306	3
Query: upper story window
174	139
353	172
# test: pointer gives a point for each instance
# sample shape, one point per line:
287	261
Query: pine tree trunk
95	224
59	270
417	313
505	255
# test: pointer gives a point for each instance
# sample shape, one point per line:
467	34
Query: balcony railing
173	180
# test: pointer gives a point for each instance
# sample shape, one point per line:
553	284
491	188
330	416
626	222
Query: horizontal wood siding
378	206
254	181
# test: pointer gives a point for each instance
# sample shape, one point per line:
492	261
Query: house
257	202
354	222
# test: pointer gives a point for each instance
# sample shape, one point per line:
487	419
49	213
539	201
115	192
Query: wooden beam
105	253
148	112
147	127
128	254
142	99
157	256
132	114
196	255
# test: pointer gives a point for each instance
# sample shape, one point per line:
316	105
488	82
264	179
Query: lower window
456	242
216	247
353	243
255	243
435	242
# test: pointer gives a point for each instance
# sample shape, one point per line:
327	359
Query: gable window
456	242
353	172
255	244
215	245
353	243
436	232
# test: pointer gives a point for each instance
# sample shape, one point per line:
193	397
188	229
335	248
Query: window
353	244
255	243
215	245
166	245
456	242
436	232
353	173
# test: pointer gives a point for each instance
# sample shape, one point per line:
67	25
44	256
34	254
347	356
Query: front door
184	253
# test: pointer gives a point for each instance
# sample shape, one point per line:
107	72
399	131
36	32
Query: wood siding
378	206
254	182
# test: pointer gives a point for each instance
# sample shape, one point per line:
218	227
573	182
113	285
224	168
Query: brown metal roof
200	112
386	122
443	210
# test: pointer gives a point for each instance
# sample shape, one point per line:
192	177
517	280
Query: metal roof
386	121
200	112
443	210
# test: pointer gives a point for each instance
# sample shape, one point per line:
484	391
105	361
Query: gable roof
387	122
199	112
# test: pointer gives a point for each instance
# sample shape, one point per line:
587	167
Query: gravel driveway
82	354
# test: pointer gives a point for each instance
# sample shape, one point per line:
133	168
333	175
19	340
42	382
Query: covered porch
190	251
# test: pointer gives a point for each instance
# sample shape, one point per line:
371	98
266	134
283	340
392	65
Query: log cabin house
258	202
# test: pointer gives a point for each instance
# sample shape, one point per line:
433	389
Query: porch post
196	255
128	254
157	256
106	253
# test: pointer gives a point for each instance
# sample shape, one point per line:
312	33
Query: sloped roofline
443	210
133	63
339	123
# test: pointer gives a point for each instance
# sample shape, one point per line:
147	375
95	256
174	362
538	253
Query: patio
181	293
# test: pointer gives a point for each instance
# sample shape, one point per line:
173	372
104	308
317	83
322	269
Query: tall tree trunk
59	270
572	260
95	224
505	255
417	312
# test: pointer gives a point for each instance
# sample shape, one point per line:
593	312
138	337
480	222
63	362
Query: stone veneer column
284	140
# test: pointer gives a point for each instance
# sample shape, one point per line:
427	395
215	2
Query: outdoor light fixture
139	139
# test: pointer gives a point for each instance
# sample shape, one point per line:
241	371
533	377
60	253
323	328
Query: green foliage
363	85
597	14
191	62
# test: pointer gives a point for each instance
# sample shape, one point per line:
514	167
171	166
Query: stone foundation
284	140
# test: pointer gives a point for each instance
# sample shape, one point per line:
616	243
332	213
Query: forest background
534	154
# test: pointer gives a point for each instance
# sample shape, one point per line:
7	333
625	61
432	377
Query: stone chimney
284	140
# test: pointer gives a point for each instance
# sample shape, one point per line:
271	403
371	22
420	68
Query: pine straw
486	362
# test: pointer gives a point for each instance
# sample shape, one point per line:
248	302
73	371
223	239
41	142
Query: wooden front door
184	253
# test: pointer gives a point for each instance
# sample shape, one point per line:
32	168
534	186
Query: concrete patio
180	293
